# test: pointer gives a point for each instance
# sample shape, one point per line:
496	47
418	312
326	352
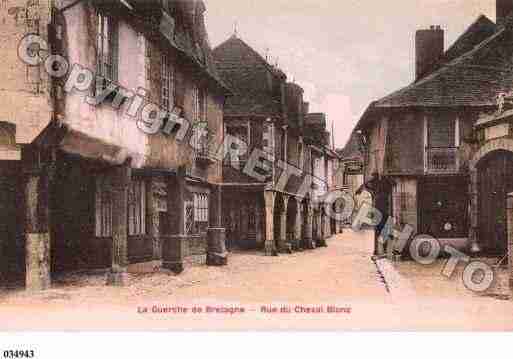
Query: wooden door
9	246
443	204
495	181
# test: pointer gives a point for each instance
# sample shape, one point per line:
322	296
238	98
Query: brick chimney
429	48
503	9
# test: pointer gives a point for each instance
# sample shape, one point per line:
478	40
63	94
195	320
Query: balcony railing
442	160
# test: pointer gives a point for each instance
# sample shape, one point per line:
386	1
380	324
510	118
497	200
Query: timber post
121	178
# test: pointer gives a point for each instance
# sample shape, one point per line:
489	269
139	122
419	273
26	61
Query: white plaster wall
103	122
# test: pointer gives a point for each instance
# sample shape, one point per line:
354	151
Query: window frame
200	213
301	158
168	83
430	131
107	47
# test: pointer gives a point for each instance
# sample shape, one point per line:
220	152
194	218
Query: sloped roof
352	149
244	71
476	33
316	120
473	79
190	39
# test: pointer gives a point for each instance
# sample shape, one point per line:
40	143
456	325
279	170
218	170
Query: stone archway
487	150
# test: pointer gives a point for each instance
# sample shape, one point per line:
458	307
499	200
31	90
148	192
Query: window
146	48
199	104
107	48
196	214
168	83
441	136
200	207
200	139
441	133
103	208
189	217
284	144
137	208
301	158
241	133
268	140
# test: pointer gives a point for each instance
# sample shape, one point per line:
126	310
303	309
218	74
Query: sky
344	53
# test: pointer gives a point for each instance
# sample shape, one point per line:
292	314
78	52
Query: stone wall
25	91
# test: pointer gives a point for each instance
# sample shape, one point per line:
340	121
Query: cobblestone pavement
338	287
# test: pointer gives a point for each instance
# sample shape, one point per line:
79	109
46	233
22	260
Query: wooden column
308	235
269	245
217	220
174	245
37	230
509	218
258	225
323	235
474	220
216	235
153	220
298	224
318	234
284	245
39	166
121	177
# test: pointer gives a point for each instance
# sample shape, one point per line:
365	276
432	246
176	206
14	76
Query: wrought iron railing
442	160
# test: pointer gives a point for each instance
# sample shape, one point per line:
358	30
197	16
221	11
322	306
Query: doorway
495	181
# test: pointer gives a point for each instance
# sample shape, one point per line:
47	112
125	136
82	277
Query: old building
265	209
351	164
107	134
432	161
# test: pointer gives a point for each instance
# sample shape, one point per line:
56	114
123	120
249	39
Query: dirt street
337	287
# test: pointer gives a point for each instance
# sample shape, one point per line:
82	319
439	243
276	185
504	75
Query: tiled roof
191	38
480	30
473	79
249	75
352	149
